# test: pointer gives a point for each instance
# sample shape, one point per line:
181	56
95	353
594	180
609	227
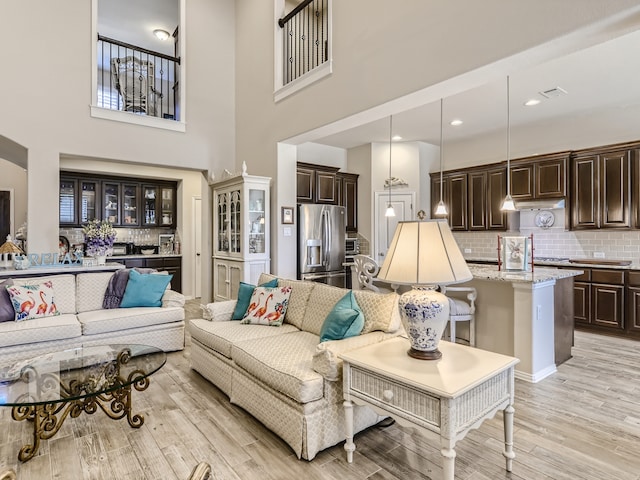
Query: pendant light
390	211
507	203
441	209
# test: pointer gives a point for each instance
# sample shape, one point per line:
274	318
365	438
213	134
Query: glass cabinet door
130	204
111	202
68	191
150	198
256	221
167	206
88	201
222	214
235	224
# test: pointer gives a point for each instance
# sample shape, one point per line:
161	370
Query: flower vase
102	259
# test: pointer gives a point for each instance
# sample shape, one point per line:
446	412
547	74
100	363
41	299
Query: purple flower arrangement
99	237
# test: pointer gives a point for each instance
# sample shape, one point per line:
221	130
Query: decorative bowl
148	251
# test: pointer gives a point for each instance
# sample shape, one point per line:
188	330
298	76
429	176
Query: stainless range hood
540	204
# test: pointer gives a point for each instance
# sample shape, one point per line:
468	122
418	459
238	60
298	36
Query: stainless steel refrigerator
321	243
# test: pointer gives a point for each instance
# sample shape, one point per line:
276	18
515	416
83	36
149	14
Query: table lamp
424	254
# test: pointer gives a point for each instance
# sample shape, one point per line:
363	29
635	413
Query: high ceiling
133	21
601	82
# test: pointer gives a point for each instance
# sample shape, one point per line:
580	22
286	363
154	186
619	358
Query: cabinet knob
387	395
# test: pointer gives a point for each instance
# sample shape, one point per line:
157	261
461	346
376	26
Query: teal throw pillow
344	320
244	297
144	289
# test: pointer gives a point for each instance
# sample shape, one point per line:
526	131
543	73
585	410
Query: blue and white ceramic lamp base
425	313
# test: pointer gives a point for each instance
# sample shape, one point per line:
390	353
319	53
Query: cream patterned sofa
282	375
83	321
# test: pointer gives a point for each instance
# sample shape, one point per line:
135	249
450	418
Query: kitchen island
56	269
528	315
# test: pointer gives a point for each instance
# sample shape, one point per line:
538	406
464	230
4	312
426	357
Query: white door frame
403	197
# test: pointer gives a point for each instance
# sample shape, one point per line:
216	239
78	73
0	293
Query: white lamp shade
424	253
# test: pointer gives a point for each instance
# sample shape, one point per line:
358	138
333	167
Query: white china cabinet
241	219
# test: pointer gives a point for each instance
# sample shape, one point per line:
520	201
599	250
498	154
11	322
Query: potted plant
98	238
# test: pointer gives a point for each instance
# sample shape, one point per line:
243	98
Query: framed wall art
515	253
287	215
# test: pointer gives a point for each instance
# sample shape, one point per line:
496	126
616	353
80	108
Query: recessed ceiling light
531	102
396	138
161	34
456	122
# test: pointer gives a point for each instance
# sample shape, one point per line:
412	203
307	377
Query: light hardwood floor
581	423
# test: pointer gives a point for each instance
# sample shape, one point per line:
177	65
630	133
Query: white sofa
282	375
83	321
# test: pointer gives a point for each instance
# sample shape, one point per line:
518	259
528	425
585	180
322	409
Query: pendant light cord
441	148
390	134
508	141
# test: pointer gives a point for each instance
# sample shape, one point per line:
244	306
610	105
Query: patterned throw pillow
32	301
244	297
268	306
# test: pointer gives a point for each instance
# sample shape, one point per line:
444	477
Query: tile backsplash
618	245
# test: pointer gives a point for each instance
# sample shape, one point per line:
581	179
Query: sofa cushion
283	362
111	320
44	329
380	310
300	291
220	336
344	320
245	291
144	290
33	301
64	287
268	306
321	301
91	288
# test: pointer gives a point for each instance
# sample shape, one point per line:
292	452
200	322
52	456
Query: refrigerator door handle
326	240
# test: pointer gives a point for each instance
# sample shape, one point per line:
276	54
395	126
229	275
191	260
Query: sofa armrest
218	311
171	298
326	359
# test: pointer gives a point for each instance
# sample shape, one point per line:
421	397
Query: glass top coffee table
48	388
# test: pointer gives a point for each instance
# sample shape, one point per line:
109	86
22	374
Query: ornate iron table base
113	398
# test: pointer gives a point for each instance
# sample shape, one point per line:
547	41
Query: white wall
51	118
323	155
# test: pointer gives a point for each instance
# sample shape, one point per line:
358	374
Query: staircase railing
305	38
137	80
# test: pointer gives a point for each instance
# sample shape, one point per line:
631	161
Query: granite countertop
540	274
58	269
565	263
141	255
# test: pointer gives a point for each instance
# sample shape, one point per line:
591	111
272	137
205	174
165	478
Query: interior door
197	235
403	204
5	215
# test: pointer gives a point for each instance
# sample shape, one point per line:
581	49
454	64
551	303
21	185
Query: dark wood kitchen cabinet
632	321
347	187
496	191
539	177
599	299
601	189
316	184
454	195
172	265
477	208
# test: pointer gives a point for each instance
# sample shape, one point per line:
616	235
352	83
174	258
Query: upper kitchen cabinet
539	177
601	188
316	184
496	191
129	203
347	186
454	196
